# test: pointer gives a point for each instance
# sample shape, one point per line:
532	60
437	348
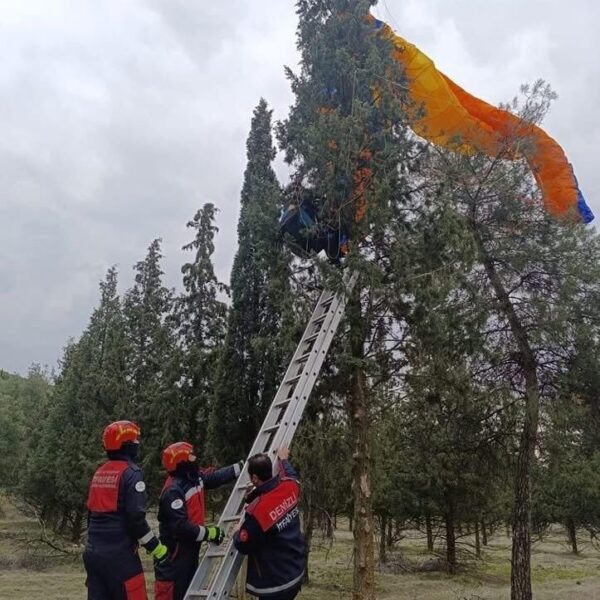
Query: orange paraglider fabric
446	115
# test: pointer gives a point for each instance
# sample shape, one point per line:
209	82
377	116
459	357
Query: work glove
214	535
239	466
159	554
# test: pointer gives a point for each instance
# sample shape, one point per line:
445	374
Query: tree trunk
364	547
64	520
521	547
358	411
77	527
572	533
520	588
429	529
477	541
309	527
328	526
383	520
450	542
351	523
484	537
390	533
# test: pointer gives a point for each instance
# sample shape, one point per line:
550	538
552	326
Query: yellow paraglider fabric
448	116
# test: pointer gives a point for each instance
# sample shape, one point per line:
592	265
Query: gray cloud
119	119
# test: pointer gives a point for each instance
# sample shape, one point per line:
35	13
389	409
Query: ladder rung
328	300
232	519
218	554
271	428
312	337
198	594
319	319
282	403
293	379
303	358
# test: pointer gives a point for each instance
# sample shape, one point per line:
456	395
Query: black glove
213	534
160	553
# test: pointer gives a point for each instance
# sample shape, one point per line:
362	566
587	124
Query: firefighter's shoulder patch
140	486
177	504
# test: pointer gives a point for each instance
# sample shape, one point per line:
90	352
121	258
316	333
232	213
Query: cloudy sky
119	118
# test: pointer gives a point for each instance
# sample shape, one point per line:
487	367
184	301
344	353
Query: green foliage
22	402
260	319
200	318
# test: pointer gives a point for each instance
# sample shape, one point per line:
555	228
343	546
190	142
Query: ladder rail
278	428
286	435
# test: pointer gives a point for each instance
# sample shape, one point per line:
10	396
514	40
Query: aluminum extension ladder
220	565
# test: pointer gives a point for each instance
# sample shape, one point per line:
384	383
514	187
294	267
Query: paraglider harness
301	229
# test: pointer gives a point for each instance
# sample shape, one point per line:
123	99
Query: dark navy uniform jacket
270	535
181	509
117	507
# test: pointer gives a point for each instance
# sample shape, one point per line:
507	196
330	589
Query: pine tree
529	265
257	340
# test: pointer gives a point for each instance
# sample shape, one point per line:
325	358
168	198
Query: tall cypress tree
256	341
346	139
201	317
153	360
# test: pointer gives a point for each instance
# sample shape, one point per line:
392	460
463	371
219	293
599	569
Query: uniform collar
116	455
263	488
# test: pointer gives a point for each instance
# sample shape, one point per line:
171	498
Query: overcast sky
118	119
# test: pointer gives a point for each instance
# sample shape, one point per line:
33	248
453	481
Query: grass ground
557	574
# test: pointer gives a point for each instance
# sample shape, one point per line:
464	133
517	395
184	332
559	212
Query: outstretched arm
214	478
285	466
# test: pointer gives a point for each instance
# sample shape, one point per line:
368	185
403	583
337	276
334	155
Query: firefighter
270	531
181	517
117	520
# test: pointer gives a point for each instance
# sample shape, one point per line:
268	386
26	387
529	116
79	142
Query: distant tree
23	403
154	360
200	317
90	390
456	424
260	320
567	479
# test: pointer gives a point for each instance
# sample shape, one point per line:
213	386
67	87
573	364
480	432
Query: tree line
462	389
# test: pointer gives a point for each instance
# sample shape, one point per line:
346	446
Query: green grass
557	574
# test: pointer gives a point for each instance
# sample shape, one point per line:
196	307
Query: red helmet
177	453
119	432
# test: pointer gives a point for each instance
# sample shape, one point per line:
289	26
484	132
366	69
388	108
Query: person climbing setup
306	234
